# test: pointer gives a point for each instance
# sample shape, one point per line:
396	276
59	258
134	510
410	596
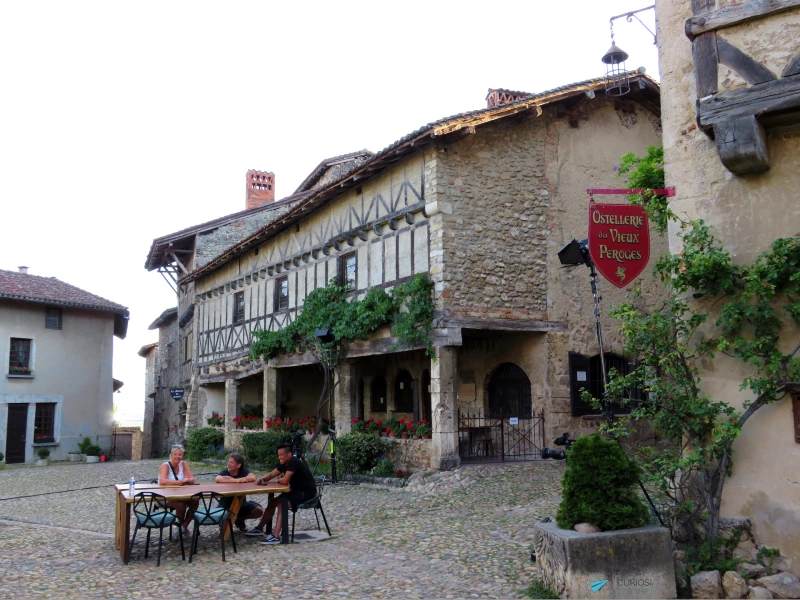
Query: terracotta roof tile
49	290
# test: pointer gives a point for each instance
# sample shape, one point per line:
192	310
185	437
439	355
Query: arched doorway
403	394
509	393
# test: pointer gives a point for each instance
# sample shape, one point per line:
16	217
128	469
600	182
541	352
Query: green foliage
537	589
262	448
766	558
713	306
94	450
647	172
384	468
2	457
715	554
599	487
84	445
254	410
203	442
361	451
408	309
43	453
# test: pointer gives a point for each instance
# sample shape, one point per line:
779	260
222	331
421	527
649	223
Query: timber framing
444	131
737	119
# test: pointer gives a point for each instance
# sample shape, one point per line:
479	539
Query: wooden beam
781	94
735	14
503	324
706	63
749	69
793	68
742	145
180	264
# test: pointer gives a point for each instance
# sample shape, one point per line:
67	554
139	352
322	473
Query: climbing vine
713	307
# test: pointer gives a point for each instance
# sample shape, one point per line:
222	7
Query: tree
713	306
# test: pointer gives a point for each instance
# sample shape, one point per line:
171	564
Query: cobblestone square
460	534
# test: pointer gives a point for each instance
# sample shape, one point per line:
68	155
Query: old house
57	350
731	104
481	202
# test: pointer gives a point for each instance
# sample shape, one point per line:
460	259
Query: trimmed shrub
262	448
384	468
93	450
203	442
84	445
599	487
361	451
43	453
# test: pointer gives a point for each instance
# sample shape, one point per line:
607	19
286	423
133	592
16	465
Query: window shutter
578	363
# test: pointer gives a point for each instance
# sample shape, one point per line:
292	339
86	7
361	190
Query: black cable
94	487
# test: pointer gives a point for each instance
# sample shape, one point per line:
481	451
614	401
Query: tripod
346	472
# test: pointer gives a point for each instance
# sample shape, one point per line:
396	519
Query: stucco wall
71	366
747	214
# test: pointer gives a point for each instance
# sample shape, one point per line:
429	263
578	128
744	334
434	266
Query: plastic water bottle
132	489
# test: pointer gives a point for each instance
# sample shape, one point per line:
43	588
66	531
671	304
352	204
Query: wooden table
237	490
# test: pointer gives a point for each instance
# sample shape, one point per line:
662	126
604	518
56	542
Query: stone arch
508	392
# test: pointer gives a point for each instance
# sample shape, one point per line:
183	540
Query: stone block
759	592
782	585
635	563
734	585
707	584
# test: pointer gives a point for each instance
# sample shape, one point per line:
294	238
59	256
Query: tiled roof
410	143
145	350
165	318
318	171
49	290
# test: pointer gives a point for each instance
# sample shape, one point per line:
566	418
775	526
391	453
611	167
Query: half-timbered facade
480	202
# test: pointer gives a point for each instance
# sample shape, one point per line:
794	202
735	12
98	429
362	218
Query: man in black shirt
237	473
295	473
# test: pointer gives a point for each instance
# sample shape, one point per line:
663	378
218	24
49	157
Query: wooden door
15	435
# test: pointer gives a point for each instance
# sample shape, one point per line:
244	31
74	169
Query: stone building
481	202
731	106
57	344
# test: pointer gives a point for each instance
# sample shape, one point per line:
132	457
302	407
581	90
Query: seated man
295	473
236	473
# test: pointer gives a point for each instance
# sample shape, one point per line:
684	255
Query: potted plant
44	457
215	420
359	426
424	430
2	461
399	430
93	452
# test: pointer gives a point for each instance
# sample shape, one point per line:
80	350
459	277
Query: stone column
344	402
444	409
232	407
270	393
193	419
367	396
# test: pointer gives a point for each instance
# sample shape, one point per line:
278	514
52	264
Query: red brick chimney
260	188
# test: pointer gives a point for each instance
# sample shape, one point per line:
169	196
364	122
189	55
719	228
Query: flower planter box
92	459
42	462
75	457
635	563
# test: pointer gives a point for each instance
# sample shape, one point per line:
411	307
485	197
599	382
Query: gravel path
462	534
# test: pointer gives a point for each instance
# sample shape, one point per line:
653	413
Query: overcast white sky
122	122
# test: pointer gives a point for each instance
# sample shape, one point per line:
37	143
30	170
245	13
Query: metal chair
314	503
209	514
151	513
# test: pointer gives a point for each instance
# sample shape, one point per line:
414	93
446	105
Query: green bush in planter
93	450
262	448
361	451
43	453
599	487
84	445
203	442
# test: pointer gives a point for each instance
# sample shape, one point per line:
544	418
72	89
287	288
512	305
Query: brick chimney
499	97
23	270
260	188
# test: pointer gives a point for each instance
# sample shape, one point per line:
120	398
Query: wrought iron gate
494	439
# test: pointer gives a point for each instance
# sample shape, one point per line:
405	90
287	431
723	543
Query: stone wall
167	422
747	214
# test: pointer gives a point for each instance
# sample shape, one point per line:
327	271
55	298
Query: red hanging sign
619	241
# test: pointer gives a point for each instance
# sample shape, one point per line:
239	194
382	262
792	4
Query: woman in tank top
176	471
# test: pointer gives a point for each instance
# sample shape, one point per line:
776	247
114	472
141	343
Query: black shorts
247	508
298	497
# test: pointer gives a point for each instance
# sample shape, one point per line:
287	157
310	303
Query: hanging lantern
617	83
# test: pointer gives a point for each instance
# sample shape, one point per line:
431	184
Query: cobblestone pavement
461	534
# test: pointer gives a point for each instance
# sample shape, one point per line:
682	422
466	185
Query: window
20	357
44	423
403	393
587	373
238	307
52	318
347	272
377	401
282	293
